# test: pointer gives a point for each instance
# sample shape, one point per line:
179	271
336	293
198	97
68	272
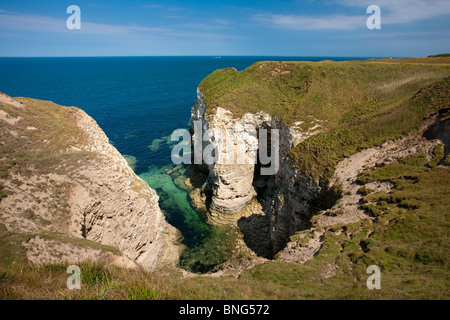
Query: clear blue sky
173	27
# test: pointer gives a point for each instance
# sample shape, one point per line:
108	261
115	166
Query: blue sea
138	102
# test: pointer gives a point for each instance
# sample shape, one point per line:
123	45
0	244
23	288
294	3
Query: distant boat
217	58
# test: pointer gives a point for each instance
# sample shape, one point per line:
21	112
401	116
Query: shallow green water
206	246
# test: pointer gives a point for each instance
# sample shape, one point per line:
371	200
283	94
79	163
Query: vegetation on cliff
408	240
61	180
357	104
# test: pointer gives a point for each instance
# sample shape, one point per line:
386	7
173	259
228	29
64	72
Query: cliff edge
71	196
328	115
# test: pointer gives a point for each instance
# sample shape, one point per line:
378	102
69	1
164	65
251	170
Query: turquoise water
207	246
138	102
175	200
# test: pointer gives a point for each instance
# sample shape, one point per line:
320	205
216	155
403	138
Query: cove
138	102
206	245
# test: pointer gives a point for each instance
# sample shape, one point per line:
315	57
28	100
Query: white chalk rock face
232	171
123	211
289	194
90	192
232	166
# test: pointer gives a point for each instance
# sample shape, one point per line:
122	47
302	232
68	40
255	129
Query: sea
139	102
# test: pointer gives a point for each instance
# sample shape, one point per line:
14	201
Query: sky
328	28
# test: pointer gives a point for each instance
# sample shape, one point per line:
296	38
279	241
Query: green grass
92	274
143	292
11	248
364	190
439	55
330	91
438	155
362	104
408	240
319	154
45	149
418	214
359	103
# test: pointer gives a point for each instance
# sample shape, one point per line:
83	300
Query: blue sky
219	28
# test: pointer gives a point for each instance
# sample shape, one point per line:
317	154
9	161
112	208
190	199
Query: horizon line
213	56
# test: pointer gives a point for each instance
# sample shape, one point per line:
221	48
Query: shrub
373	209
438	155
364	190
92	274
447	160
143	292
3	193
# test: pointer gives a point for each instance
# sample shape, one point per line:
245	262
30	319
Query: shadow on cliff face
197	174
440	130
256	228
256	232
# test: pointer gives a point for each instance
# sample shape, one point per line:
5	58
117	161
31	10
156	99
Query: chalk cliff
287	196
68	190
320	126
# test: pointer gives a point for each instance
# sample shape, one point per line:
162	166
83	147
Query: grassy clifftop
59	176
356	103
359	104
408	240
